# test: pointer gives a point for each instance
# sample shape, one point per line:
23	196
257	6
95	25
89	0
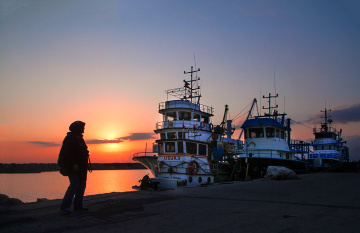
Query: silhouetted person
75	156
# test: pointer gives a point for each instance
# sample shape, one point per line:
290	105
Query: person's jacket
74	151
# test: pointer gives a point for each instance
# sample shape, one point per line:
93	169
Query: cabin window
205	119
270	132
202	149
287	156
162	136
191	148
181	135
245	133
170	116
256	133
196	117
170	147
278	135
161	148
180	147
171	135
282	134
184	116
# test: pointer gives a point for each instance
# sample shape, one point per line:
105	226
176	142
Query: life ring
211	126
194	167
202	125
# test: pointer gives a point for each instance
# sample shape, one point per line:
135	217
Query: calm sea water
52	185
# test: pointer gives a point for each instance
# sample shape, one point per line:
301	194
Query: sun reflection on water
52	185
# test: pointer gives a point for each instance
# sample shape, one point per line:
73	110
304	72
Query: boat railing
149	154
180	104
321	130
299	146
270	154
325	155
324	141
182	124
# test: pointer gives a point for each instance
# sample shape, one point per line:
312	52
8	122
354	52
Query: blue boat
267	142
328	147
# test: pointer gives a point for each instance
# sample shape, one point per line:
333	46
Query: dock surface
318	202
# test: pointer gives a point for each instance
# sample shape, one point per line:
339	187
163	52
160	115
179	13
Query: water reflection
52	185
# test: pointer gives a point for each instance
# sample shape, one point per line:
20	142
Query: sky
108	63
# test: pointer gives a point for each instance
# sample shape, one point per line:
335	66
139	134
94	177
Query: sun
113	147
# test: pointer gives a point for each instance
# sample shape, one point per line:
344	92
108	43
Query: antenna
274	85
260	102
284	104
194	60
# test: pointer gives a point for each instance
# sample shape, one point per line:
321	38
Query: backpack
65	167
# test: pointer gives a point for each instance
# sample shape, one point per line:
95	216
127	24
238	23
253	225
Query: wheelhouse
182	147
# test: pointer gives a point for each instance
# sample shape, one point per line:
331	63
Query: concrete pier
319	202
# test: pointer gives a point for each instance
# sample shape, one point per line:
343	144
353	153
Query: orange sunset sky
108	63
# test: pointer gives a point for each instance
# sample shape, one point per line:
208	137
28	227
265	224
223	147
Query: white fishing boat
267	142
190	149
328	147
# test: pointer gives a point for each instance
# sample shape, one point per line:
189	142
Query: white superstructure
188	144
268	142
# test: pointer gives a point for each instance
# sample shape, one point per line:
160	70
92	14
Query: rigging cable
302	124
238	115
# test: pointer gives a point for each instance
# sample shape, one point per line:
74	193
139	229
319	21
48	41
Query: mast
325	125
269	101
191	90
192	87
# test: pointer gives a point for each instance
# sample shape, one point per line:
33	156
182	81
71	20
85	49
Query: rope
302	124
237	116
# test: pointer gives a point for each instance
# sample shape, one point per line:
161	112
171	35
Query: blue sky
109	62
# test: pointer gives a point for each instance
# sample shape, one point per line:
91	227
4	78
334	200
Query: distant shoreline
47	167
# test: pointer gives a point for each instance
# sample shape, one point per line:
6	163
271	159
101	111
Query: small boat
328	147
267	142
190	148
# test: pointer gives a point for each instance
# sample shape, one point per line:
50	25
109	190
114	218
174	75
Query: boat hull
182	180
149	162
323	162
257	167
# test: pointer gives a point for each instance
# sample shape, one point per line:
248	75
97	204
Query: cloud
340	115
138	136
45	144
347	114
131	137
103	141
